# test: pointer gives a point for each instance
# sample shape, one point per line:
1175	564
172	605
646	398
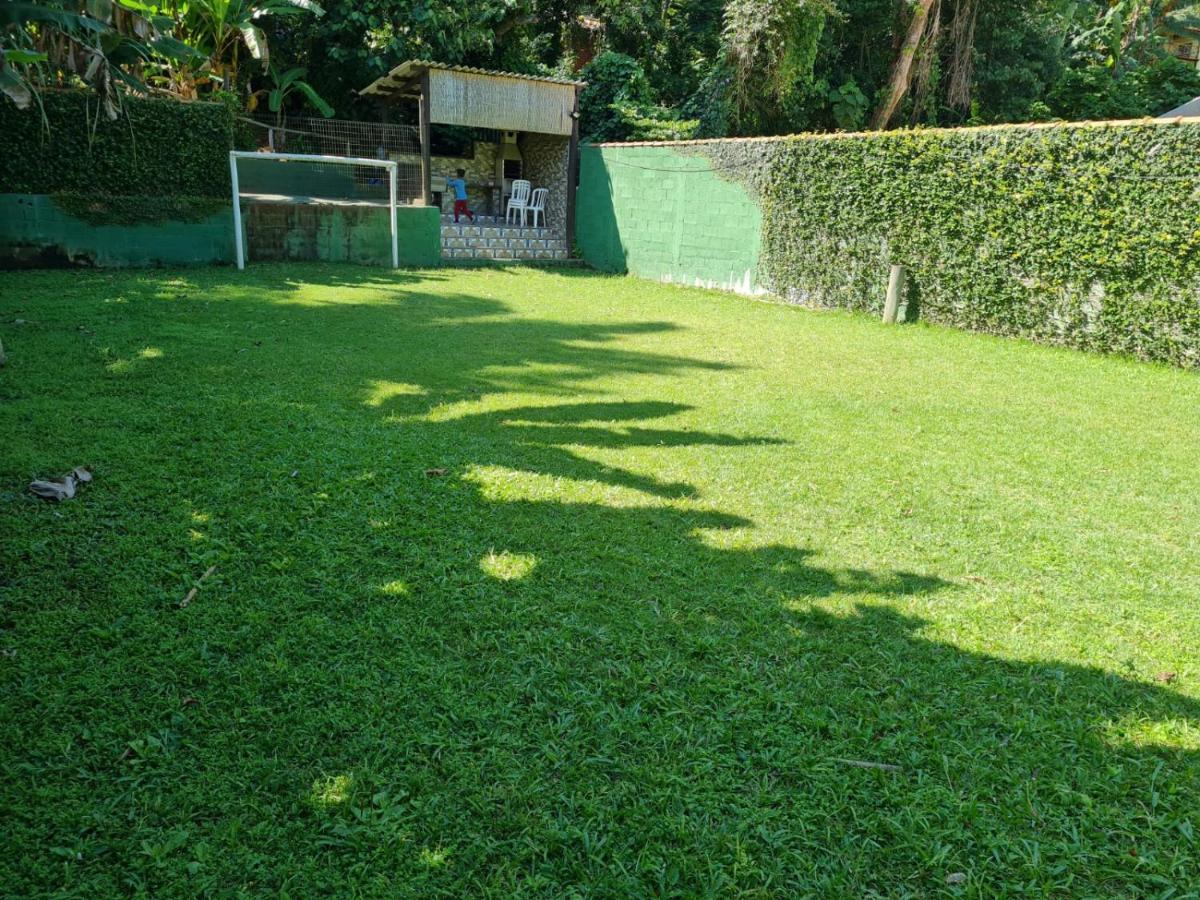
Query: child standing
459	186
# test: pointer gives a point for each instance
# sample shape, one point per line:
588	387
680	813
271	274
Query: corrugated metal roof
414	67
1191	108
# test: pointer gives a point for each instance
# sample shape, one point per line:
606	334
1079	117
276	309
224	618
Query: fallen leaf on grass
1165	677
433	473
956	878
61	488
183	604
54	490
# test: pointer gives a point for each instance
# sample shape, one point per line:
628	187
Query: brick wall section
544	162
661	213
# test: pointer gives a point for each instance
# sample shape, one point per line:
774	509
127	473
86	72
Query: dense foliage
1073	235
157	147
779	66
616	103
715	67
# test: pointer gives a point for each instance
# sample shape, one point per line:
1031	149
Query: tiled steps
498	241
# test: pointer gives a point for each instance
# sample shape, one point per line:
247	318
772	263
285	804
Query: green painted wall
343	234
34	231
656	212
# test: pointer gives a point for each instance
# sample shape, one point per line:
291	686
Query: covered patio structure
531	132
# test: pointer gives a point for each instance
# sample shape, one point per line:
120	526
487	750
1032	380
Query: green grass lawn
689	555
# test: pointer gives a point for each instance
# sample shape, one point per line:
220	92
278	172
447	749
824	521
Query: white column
392	215
237	212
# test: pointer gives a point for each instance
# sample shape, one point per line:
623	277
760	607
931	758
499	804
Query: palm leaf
22	57
15	88
256	42
318	102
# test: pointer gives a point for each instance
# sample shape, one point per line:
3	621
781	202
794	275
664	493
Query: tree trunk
902	72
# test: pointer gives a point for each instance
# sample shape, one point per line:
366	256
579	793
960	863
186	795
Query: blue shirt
459	186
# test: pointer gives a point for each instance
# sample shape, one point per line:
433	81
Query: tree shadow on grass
650	664
556	688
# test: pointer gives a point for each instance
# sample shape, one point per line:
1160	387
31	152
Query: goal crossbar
390	165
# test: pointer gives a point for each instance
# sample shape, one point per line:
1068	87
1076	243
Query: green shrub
1151	89
653	123
1086	236
126	210
163	148
613	79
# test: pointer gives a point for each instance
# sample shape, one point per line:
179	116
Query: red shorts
460	207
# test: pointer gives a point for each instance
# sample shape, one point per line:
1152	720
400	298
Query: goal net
305	180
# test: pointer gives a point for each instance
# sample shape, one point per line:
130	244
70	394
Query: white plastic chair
537	206
518	201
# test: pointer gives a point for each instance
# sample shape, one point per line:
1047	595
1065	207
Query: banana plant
16	64
104	44
1135	29
221	28
285	84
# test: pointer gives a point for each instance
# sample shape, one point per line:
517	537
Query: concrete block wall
659	212
341	234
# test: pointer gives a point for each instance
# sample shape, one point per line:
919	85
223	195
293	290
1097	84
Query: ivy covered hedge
1082	235
160	148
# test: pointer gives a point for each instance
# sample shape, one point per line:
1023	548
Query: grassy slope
688	552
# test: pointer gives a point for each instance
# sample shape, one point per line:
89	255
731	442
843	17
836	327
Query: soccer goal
301	179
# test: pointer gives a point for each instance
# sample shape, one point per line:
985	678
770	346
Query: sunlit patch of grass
434	858
331	790
150	353
505	566
1176	733
380	392
725	538
448	412
502	484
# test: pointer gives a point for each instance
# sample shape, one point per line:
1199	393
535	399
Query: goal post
303	184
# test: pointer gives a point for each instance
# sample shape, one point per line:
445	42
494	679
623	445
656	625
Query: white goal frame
390	165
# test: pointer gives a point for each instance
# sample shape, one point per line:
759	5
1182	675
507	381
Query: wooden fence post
895	291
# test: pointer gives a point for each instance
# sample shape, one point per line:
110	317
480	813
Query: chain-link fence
345	137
